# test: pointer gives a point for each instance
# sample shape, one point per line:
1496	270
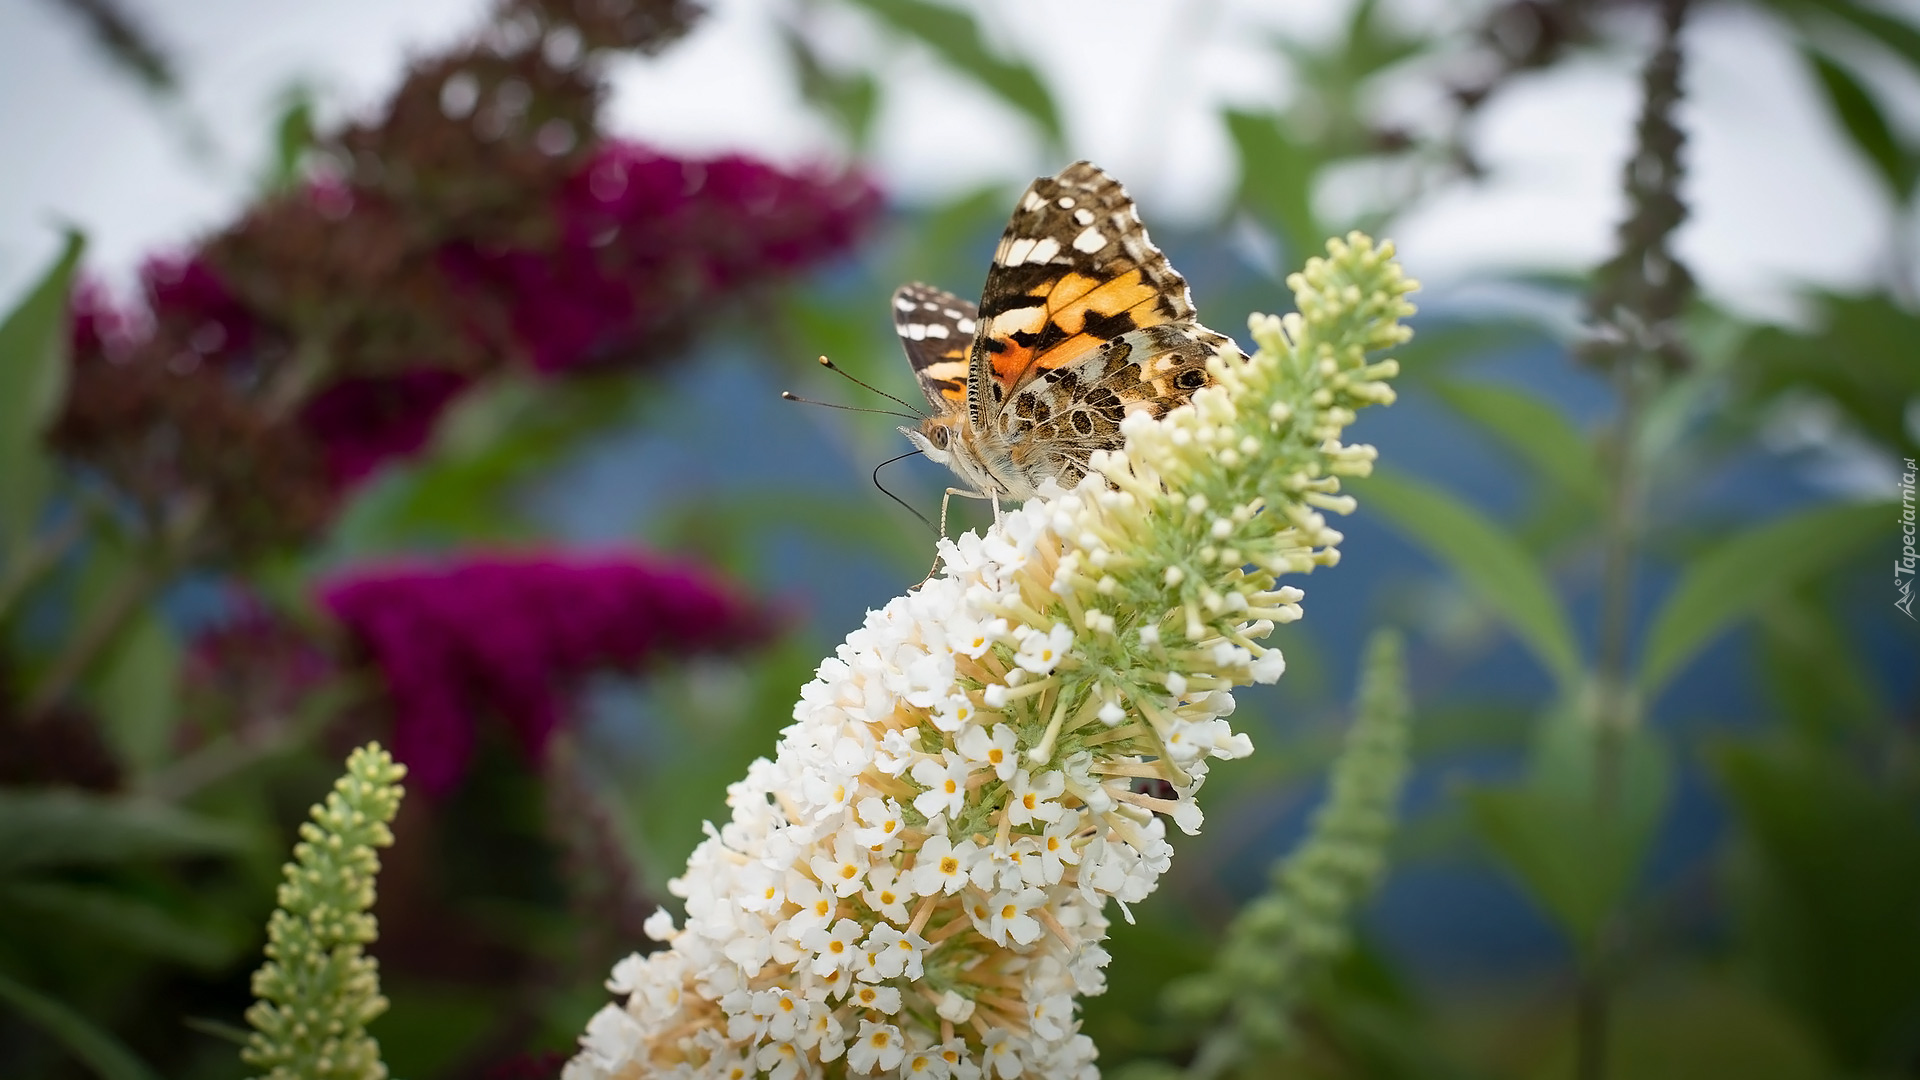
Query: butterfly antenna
789	395
891	495
842	372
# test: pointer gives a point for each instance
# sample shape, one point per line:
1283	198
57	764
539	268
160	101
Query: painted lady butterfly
1082	322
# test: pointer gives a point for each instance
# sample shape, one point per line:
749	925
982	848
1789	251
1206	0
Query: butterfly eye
938	436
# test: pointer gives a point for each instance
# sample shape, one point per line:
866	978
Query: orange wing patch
1077	314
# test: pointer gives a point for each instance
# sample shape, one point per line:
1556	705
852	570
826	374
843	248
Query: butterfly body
1082	323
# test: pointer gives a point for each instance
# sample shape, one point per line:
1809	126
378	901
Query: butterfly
1082	323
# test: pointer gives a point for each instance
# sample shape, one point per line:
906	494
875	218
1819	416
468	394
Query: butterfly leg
944	501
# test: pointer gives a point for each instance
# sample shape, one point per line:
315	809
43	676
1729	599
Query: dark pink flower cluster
510	636
363	421
637	250
648	244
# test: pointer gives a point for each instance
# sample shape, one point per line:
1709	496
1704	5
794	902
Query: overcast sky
1778	197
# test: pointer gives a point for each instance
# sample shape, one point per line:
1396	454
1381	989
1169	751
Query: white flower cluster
916	884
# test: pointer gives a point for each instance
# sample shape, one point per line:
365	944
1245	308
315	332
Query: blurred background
412	372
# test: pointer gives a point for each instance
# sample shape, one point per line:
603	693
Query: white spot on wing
1090	241
1017	251
916	332
1065	203
1043	250
965	326
1083	216
937	330
902	303
1032	202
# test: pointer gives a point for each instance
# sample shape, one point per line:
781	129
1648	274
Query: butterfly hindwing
936	328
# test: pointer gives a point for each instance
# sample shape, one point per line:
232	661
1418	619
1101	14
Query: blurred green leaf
1276	178
1816	672
137	923
955	37
1898	34
1339	71
1486	559
1830	896
137	693
293	139
1865	123
850	99
493	439
1687	1024
1534	429
1576	851
1731	582
93	1047
1861	359
33	379
61	827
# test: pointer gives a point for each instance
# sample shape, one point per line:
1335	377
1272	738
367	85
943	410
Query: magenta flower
364	421
648	244
511	636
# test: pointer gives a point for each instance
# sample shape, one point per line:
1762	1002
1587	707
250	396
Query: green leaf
954	36
293	140
1828	894
850	99
69	828
1865	123
94	1048
1899	35
1731	582
1276	178
136	693
1815	670
1861	360
33	379
1487	560
1533	428
133	922
1574	847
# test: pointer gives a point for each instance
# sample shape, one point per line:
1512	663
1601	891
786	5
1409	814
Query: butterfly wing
1074	270
936	328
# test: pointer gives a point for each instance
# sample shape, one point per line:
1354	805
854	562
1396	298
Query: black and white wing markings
936	328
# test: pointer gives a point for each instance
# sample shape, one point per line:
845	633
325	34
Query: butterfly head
946	439
937	437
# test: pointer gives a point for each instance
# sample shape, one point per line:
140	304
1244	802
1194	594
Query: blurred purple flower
364	421
511	635
648	244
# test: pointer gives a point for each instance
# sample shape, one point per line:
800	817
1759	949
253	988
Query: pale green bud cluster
318	989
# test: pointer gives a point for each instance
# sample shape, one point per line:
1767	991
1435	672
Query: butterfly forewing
936	328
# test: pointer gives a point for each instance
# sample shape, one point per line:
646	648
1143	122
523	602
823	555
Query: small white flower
884	999
1033	800
945	779
998	751
894	953
1004	1052
940	866
833	950
952	713
845	872
881	826
1009	916
1040	653
877	1046
886	894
